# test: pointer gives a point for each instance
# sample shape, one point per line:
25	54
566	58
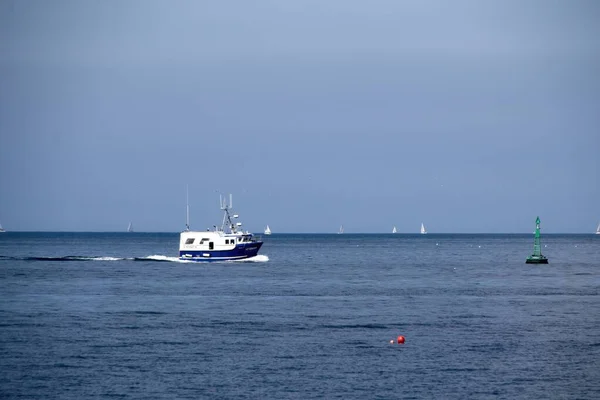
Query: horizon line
320	233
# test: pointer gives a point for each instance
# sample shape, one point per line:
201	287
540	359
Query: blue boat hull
241	251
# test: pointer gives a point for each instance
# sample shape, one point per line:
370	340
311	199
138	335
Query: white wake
257	258
157	257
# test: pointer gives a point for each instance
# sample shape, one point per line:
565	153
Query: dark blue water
113	315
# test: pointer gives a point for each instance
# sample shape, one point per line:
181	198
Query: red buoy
400	339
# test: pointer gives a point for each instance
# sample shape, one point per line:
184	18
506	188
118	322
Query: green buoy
537	257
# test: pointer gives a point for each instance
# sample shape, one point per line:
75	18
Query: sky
467	116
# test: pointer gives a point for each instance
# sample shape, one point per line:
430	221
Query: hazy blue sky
469	116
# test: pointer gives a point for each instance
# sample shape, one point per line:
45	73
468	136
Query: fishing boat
394	230
598	230
130	227
224	243
267	230
423	231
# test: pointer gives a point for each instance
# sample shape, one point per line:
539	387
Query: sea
314	316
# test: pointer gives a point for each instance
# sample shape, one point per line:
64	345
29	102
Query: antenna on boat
187	207
223	201
227	217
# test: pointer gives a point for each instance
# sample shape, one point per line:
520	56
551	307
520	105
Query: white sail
267	230
423	231
2	229
597	230
341	229
394	230
130	227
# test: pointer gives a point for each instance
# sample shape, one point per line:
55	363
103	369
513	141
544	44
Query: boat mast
187	207
225	207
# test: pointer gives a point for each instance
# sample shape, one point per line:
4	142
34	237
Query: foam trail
257	258
154	257
157	257
71	258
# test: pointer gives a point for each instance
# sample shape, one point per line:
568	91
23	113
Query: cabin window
226	241
211	245
189	241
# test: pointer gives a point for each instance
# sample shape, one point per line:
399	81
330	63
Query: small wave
465	369
135	313
63	365
355	326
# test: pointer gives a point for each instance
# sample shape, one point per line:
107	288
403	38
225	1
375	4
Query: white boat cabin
211	240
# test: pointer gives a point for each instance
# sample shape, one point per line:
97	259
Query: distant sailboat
130	227
267	230
341	230
423	231
597	230
1	229
394	230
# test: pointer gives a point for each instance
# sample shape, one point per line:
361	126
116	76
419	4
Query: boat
267	230
130	227
224	243
537	257
423	231
394	230
1	229
341	230
597	230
